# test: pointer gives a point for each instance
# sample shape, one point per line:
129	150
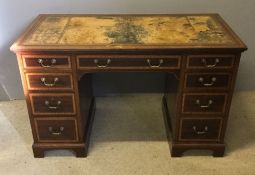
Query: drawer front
210	61
200	129
211	103
49	81
207	80
127	62
46	62
53	104
56	130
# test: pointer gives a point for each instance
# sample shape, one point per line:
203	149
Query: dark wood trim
180	91
40	148
230	96
177	149
89	124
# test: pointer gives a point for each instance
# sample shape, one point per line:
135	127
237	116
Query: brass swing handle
216	61
210	102
47	103
108	61
200	132
44	81
43	64
161	61
56	133
213	80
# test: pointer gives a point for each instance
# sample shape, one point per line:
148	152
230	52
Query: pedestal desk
58	55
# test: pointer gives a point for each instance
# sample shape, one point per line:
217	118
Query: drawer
207	80
210	61
56	130
46	62
128	62
52	104
210	103
200	129
49	81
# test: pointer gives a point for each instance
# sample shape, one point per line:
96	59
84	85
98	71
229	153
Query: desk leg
88	129
40	148
38	153
177	149
81	149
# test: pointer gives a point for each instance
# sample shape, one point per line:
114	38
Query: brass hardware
210	102
108	61
52	62
216	61
213	80
43	80
56	133
47	103
204	131
161	61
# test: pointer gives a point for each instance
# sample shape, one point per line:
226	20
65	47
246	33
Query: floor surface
128	138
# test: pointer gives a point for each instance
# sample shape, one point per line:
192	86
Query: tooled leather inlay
121	30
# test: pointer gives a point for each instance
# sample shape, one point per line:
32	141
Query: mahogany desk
58	53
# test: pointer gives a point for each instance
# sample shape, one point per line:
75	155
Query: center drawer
52	104
128	62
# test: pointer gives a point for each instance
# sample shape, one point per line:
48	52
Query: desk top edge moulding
82	32
198	53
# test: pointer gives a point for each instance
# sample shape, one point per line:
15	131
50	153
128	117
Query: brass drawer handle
47	103
161	61
201	132
216	61
108	61
56	133
44	81
210	102
213	80
52	62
